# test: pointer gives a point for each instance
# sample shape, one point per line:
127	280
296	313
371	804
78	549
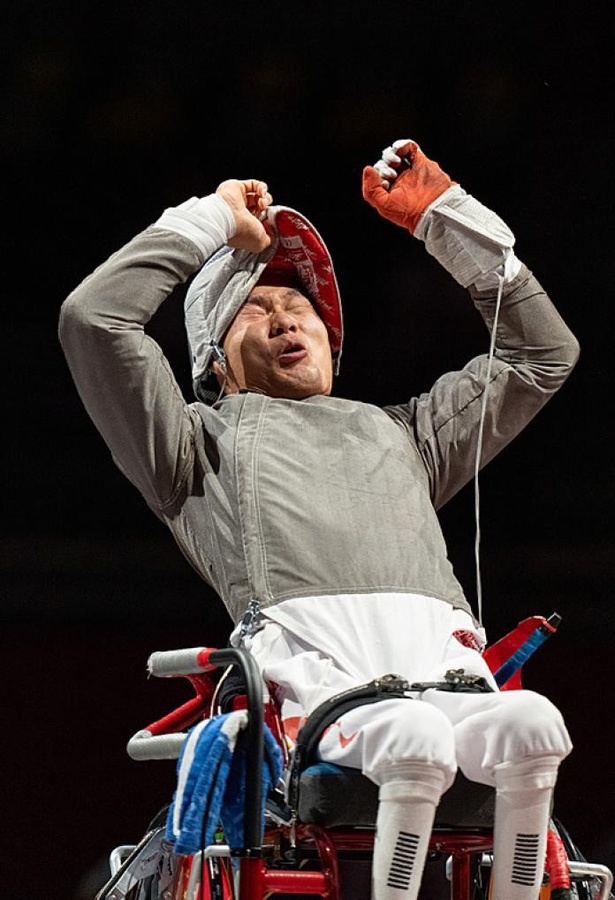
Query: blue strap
520	656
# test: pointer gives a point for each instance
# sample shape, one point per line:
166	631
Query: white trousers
313	648
475	732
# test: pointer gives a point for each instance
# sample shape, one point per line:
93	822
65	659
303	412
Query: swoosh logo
344	741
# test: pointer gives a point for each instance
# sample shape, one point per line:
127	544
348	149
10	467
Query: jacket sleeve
122	376
535	352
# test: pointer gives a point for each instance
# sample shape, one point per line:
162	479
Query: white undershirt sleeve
206	221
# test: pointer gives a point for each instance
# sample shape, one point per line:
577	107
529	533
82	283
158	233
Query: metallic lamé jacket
272	498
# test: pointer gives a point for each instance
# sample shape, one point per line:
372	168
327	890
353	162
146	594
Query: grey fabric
466	237
214	298
271	498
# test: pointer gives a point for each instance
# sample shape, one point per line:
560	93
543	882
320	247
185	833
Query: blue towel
211	783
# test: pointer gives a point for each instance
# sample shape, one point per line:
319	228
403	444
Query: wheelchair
315	838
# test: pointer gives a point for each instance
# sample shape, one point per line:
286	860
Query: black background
113	111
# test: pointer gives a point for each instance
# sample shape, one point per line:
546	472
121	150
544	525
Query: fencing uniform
324	510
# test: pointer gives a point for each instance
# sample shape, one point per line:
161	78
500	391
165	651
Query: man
315	517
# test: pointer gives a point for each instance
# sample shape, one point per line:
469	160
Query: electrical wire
479	449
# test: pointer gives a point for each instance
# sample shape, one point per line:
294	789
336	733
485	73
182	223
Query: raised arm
534	349
122	376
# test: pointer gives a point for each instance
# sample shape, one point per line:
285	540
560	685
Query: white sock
522	810
406	812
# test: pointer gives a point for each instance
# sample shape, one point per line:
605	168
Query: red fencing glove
467	238
404	183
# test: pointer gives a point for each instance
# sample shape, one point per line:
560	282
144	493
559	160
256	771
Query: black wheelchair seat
335	796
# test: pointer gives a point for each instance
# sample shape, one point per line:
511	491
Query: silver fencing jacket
271	499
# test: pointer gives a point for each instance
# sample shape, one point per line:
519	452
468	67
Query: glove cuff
468	239
206	221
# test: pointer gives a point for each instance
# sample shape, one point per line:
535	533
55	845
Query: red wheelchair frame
284	859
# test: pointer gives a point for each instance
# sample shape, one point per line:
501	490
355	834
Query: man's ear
218	367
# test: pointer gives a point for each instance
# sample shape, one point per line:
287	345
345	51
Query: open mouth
293	352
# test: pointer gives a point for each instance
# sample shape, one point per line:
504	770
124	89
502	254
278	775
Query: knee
412	732
509	727
532	726
519	725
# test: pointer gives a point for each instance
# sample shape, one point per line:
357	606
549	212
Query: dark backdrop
115	110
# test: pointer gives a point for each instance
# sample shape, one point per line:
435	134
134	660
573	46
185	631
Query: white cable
479	448
213	706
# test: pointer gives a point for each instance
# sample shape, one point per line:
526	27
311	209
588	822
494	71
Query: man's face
278	345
